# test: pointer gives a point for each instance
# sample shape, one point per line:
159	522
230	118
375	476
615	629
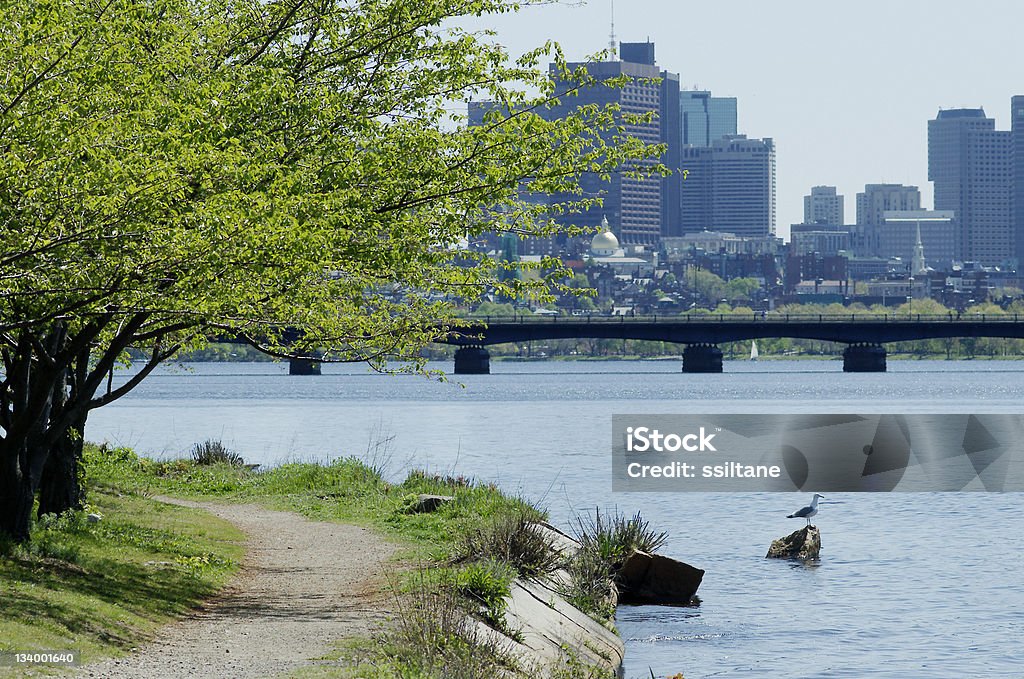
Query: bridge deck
719	328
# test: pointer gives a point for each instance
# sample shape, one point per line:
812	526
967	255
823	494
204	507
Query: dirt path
303	585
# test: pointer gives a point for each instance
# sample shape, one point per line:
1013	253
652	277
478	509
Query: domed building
605	244
606	251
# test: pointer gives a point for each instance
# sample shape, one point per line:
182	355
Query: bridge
701	334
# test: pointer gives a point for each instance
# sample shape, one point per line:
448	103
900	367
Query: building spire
611	36
917	266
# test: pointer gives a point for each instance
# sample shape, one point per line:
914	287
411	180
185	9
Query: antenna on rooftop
611	36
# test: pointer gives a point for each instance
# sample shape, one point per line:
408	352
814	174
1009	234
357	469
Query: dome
605	243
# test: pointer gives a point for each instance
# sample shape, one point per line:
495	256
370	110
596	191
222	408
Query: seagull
808	511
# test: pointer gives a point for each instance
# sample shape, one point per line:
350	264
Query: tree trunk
61	487
16	499
25	449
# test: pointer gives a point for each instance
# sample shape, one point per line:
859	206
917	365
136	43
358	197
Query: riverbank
451	593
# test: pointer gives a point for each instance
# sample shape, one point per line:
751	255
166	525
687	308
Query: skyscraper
1017	133
704	119
639	210
823	206
730	186
969	162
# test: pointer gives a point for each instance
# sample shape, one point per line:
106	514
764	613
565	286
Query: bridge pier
472	361
702	358
864	358
303	366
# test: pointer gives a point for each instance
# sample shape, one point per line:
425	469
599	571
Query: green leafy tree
494	309
742	289
286	172
710	287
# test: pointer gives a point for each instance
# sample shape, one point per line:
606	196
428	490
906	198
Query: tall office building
638	210
871	207
1017	133
730	186
878	198
704	119
970	164
823	206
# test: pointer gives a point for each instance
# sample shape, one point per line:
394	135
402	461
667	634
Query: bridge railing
757	317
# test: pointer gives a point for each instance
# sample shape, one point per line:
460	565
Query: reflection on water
922	585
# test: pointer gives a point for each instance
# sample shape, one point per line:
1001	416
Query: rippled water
909	585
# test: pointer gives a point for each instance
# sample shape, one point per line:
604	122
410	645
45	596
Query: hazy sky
844	88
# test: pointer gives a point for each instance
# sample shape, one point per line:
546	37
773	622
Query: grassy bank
101	588
459	559
344	490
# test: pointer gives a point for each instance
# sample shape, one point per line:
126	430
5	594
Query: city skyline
846	92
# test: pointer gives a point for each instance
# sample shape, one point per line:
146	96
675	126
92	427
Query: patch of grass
488	583
212	451
345	489
513	538
590	586
606	541
613	538
572	667
101	588
432	637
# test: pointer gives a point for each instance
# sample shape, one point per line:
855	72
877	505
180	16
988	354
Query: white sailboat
753	350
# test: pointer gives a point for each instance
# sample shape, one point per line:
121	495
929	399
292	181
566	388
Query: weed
441	480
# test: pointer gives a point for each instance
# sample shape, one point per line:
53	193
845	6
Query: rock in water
803	544
655	579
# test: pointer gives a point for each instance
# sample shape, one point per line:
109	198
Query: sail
753	350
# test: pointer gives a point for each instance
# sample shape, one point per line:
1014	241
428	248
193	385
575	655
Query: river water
909	585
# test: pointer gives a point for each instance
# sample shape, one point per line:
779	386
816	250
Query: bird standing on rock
808	511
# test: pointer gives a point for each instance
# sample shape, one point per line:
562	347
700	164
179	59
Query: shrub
513	538
211	452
